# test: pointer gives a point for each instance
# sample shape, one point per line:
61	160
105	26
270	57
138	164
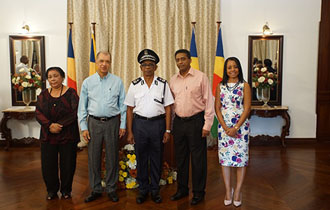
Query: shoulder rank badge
136	81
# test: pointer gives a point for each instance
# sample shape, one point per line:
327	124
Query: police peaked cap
147	55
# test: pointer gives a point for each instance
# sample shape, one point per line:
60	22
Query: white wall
298	21
45	17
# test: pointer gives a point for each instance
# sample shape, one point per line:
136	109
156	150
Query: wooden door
323	77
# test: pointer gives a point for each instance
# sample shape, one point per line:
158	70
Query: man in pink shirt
194	113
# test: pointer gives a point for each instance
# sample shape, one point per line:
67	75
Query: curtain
125	27
27	50
263	49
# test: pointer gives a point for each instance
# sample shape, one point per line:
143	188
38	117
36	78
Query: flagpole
193	24
93	29
218	22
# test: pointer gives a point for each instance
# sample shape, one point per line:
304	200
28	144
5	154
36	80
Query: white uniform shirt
149	102
22	66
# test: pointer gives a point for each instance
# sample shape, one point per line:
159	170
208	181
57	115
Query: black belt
191	117
162	116
103	119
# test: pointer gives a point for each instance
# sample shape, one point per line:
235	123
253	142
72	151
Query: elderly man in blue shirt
102	117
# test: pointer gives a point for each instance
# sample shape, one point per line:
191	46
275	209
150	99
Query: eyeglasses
147	64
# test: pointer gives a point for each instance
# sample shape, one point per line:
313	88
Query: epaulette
136	81
161	79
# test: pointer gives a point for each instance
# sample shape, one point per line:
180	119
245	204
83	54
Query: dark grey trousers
108	132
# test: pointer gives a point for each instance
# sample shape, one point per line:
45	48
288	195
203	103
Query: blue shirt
102	97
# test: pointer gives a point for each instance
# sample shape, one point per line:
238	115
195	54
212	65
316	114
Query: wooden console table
17	113
269	112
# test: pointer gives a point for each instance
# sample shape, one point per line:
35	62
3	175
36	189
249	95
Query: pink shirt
193	94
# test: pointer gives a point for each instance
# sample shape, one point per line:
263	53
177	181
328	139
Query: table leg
5	131
286	127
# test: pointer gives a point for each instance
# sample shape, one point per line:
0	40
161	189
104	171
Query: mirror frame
278	101
12	53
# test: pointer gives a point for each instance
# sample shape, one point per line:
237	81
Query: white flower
256	69
25	84
253	84
162	182
263	69
22	70
17	79
13	81
129	147
131	164
30	85
28	77
270	81
270	74
173	174
261	79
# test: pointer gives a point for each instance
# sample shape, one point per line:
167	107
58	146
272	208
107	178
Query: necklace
232	87
51	89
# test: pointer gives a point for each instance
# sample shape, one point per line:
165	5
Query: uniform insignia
161	79
136	81
145	52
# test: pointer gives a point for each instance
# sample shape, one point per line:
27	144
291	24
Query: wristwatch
168	131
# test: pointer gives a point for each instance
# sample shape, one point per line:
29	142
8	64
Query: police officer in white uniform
148	103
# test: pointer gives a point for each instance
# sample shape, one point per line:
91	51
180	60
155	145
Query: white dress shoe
238	203
228	202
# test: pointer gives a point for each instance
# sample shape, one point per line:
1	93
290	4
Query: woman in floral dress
232	106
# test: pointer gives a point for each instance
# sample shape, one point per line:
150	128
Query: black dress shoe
196	200
178	195
93	196
141	198
155	197
113	196
51	196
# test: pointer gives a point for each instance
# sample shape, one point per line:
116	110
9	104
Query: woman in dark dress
56	111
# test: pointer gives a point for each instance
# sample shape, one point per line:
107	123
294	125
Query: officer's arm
129	120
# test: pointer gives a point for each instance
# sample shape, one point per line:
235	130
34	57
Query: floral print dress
233	151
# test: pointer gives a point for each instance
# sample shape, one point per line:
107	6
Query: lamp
266	29
26	28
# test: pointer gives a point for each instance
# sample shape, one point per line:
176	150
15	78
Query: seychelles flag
217	78
72	82
92	58
193	51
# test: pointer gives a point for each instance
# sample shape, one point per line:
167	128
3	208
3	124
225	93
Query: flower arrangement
127	168
128	171
261	78
26	79
168	175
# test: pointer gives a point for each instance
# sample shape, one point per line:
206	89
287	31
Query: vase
263	94
27	97
33	95
259	94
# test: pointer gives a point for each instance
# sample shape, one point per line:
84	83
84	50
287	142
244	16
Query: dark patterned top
62	110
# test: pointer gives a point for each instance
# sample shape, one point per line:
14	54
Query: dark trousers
54	157
188	141
148	136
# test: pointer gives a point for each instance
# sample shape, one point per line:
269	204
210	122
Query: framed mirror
26	52
265	55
